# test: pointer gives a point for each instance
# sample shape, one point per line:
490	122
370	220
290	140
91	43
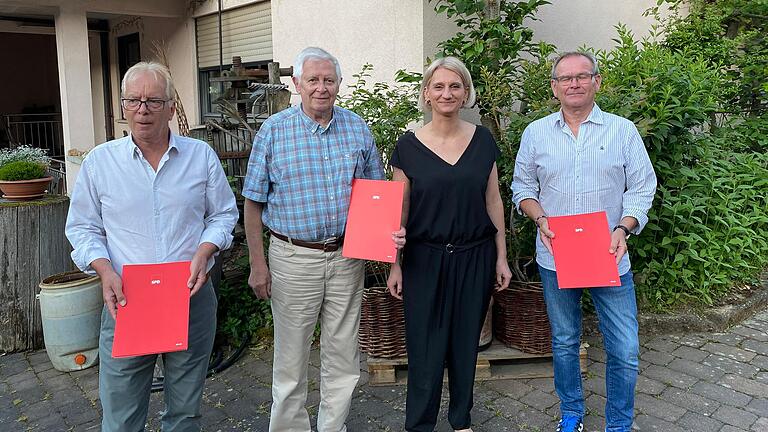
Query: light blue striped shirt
605	168
303	172
124	211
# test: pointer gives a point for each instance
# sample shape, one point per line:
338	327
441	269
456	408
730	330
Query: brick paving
696	382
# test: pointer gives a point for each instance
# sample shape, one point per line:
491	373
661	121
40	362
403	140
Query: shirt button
326	158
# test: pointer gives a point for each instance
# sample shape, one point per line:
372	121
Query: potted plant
24	173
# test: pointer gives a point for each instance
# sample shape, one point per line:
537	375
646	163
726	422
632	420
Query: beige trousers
308	283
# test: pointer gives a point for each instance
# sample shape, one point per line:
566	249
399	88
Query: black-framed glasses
135	104
582	78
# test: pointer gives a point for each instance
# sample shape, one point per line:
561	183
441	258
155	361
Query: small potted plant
24	173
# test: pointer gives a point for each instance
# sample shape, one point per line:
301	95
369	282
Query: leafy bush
705	229
387	109
22	170
240	312
665	93
729	35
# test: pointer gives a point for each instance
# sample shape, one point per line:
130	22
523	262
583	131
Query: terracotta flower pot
24	190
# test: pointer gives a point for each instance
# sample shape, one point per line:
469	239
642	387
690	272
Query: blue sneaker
570	424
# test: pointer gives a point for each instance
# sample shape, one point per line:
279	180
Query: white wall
571	24
386	33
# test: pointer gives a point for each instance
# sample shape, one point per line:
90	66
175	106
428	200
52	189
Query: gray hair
314	53
158	70
586	55
454	65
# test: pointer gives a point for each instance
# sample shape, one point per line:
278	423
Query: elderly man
298	184
152	197
582	160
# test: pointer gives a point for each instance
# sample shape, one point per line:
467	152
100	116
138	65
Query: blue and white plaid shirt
605	168
303	172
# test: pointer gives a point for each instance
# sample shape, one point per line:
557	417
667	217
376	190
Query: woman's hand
395	281
399	237
503	274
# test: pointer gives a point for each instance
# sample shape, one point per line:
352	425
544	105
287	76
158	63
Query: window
246	32
128	54
211	91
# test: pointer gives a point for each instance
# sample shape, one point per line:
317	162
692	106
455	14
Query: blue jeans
617	314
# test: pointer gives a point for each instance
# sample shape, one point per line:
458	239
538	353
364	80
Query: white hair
315	53
586	55
157	69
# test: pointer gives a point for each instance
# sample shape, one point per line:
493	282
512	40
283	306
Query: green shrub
706	228
665	93
387	109
240	312
22	170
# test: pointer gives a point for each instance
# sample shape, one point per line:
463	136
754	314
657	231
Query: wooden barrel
32	247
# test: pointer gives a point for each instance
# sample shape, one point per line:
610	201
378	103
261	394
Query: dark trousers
446	298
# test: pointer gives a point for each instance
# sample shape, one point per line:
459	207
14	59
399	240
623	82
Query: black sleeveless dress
448	266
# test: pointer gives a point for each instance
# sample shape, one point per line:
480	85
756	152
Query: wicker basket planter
382	324
520	318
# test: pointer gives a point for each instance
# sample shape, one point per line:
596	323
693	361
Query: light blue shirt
605	168
124	211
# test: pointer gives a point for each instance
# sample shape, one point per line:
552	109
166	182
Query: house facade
63	60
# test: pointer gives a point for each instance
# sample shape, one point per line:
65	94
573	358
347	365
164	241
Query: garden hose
217	364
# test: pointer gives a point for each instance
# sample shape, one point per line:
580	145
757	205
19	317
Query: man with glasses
582	160
151	197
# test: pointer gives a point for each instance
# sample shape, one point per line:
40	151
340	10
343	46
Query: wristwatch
626	230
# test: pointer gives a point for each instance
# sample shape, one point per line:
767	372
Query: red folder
375	210
580	248
155	318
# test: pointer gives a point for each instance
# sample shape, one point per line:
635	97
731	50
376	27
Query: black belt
331	245
452	248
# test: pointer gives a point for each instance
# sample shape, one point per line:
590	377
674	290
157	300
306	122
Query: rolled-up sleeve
641	181
525	184
84	227
220	207
256	185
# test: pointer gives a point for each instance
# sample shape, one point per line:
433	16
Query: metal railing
37	130
57	170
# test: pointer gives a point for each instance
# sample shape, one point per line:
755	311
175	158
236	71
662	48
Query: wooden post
32	247
280	99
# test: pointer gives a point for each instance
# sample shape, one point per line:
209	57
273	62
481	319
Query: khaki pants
307	283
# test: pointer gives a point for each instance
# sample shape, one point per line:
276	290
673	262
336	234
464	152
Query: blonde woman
455	252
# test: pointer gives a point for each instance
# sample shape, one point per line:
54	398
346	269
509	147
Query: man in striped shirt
582	160
298	184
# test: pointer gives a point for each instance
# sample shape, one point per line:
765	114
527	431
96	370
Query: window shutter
246	32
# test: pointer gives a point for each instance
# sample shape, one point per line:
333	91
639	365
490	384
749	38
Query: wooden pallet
495	363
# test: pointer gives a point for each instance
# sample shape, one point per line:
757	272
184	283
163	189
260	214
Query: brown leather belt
330	245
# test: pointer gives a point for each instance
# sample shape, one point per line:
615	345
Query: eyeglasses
135	104
582	78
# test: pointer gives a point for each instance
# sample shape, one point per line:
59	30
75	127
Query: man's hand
198	275
260	280
111	285
545	234
618	244
395	281
503	274
399	237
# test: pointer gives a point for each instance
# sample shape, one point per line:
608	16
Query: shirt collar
136	152
314	126
595	116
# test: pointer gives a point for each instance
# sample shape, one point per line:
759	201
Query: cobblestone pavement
695	382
